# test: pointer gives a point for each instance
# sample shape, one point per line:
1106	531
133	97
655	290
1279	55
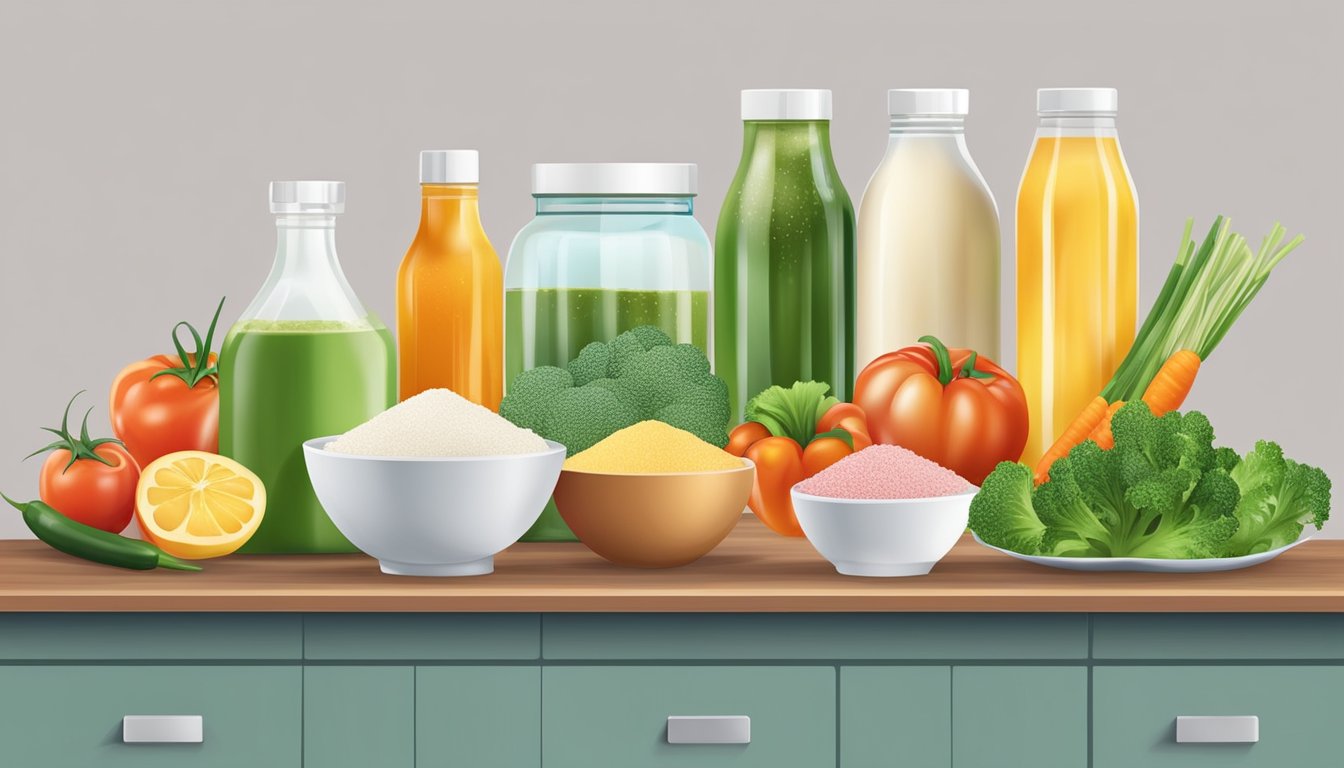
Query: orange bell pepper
790	435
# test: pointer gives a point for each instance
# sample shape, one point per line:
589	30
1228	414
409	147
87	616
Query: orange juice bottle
1077	260
450	289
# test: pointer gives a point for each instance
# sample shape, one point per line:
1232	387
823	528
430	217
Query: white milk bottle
928	241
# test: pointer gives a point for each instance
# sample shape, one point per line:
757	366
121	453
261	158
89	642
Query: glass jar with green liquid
613	246
305	360
784	253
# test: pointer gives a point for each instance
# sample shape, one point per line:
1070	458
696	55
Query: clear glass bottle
1077	260
613	246
928	234
450	288
784	253
305	360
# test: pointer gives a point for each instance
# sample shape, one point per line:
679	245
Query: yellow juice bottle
450	289
1077	260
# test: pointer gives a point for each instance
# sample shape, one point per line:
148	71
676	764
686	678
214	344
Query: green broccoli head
702	410
593	362
1279	497
1002	514
531	394
639	375
582	416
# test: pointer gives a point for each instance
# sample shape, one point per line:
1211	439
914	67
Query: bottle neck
307	238
789	138
670	205
927	125
448	207
1076	124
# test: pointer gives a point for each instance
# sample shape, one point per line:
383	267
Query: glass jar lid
650	179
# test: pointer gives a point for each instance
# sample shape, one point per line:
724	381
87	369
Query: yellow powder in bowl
652	448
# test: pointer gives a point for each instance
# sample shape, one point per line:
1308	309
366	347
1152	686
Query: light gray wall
137	138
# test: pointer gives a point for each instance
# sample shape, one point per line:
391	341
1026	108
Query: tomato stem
192	373
940	352
81	447
968	371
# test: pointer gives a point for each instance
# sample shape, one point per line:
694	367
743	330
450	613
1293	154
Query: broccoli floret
1002	514
531	394
701	410
582	416
593	363
1279	497
639	375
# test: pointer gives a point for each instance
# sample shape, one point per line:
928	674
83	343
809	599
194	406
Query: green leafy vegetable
639	375
792	412
1163	491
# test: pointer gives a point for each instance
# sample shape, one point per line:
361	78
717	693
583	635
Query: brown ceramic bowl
653	521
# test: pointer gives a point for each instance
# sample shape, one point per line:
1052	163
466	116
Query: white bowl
433	516
883	537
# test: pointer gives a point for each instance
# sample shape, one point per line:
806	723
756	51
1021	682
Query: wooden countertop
752	571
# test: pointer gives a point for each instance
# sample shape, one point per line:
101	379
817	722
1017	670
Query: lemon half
195	505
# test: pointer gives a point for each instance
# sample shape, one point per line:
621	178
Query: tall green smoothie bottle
784	253
305	360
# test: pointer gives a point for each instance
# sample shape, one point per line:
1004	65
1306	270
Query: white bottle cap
1091	101
307	197
673	179
450	166
786	104
928	101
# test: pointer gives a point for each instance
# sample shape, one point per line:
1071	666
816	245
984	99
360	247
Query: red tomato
947	405
89	491
156	416
169	403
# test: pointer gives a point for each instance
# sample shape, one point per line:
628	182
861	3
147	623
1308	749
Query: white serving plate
1150	564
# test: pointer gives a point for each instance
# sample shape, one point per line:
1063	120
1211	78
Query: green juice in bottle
784	254
305	360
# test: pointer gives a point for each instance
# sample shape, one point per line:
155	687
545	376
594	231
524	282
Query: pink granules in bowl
885	472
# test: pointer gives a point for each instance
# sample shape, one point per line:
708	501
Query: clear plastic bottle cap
786	104
928	101
450	166
672	179
307	197
1091	101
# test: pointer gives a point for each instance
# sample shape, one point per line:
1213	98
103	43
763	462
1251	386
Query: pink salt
885	472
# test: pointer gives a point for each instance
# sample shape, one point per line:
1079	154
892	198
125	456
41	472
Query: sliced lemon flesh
195	505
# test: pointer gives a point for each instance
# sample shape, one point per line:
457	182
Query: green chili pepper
89	543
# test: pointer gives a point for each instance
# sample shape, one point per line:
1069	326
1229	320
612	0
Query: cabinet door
1299	715
748	717
895	717
359	716
204	717
478	717
1019	717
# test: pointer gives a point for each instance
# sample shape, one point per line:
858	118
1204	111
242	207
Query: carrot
1171	384
1075	433
1102	434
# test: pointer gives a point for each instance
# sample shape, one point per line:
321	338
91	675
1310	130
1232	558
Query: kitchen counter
752	571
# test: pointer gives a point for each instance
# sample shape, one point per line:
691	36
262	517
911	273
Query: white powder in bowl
437	423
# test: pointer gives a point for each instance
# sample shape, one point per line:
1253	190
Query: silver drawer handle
1230	729
162	729
708	729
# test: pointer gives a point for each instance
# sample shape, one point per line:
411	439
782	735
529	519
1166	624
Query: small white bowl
883	537
433	516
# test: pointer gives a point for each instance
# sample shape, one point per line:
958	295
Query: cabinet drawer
1019	717
59	717
1300	712
483	717
895	717
359	716
619	716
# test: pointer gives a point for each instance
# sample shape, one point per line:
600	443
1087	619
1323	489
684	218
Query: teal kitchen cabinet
1019	717
744	716
478	717
359	716
205	716
1298	716
895	717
